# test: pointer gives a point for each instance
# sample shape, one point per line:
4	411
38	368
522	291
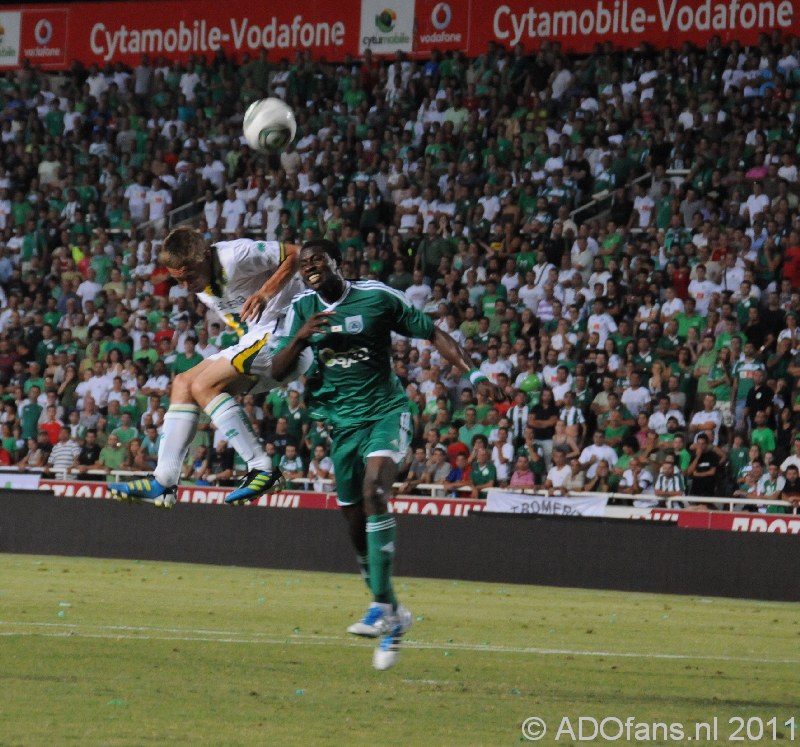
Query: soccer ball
269	125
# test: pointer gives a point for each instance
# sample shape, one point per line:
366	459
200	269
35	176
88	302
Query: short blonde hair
182	246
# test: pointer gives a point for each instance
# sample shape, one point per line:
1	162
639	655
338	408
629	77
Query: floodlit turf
115	652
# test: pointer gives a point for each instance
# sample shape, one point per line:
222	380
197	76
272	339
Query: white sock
180	427
230	420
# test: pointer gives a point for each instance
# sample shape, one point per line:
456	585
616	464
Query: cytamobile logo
9	53
385	22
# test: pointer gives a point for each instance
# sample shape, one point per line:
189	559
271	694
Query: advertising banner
10	37
19	481
520	503
385	29
109	32
441	25
286	499
406	504
740	522
196	494
581	24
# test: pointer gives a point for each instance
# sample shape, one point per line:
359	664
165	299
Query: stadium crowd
613	238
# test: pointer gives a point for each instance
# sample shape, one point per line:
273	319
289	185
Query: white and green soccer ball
269	125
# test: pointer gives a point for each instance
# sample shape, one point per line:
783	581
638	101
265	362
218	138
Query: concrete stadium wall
554	551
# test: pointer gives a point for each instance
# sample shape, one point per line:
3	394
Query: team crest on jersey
354	324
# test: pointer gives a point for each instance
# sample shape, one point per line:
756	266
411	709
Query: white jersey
245	265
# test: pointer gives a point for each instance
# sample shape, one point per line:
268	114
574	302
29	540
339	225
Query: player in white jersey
248	283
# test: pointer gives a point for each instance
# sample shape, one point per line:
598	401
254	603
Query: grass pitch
115	652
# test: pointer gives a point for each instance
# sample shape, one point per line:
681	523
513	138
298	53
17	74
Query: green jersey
355	381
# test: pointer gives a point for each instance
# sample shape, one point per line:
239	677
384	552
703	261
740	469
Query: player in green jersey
348	327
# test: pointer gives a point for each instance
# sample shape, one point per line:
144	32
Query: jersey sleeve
291	325
408	320
246	257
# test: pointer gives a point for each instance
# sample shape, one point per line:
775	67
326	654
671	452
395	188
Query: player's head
319	265
325	245
187	257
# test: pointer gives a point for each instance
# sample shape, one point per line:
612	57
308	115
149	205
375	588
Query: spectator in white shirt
601	322
502	455
755	204
597	451
213	171
233	210
636	397
658	420
671	307
707	421
158	201
320	468
558	474
732	274
419	292
636	479
701	290
489	202
644	206
211	210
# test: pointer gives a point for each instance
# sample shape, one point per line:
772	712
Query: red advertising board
123	31
441	25
286	499
108	32
580	24
738	522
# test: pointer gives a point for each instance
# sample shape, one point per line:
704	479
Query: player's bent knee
182	387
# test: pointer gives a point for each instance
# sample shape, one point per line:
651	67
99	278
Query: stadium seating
629	247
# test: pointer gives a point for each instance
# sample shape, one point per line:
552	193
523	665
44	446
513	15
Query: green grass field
115	652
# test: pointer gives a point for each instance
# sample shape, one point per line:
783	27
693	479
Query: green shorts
390	436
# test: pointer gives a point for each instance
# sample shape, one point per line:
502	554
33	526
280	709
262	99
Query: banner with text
736	522
553	505
102	33
386	29
110	32
581	24
402	504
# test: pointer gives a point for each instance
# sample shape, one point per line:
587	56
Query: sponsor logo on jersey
354	324
345	358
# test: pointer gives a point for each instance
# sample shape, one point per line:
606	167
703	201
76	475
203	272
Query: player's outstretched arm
287	355
255	305
456	356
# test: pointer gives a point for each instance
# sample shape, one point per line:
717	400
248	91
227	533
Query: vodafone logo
441	18
43	32
441	15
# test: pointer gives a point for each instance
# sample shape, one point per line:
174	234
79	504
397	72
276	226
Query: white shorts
252	356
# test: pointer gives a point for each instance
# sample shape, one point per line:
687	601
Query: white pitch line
144	633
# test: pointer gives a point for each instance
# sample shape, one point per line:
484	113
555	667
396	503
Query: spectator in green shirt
483	473
189	358
762	435
146	352
113	454
296	415
689	318
125	431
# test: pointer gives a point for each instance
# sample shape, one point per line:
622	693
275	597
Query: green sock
381	532
363	564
